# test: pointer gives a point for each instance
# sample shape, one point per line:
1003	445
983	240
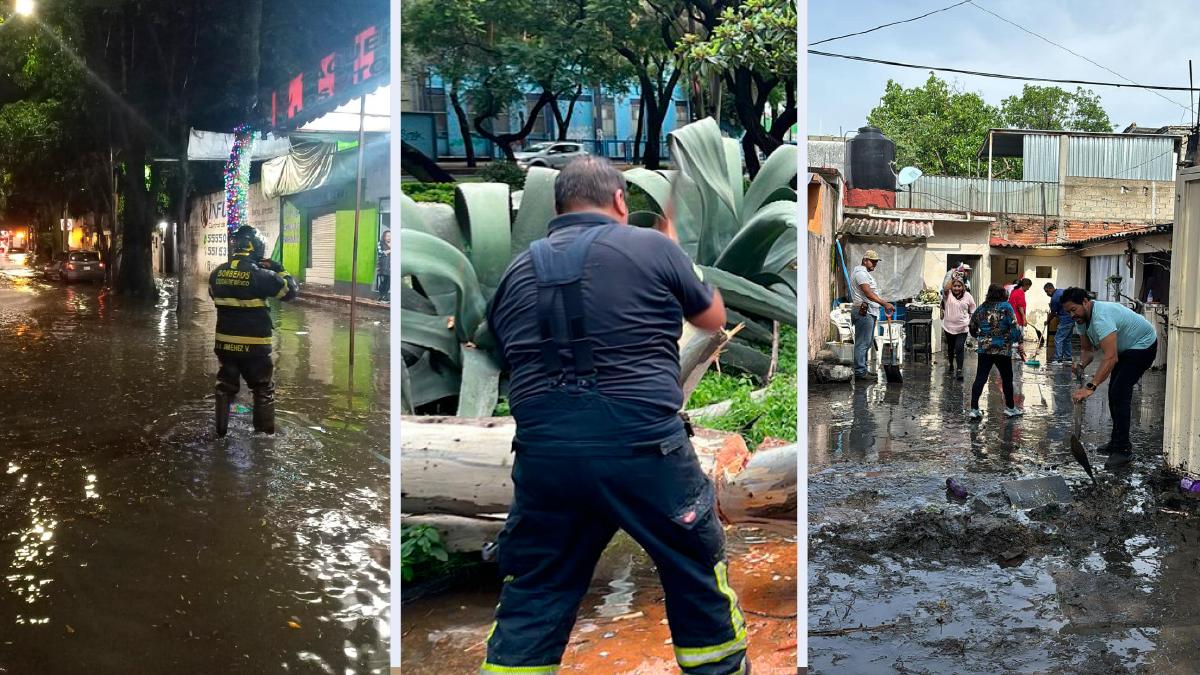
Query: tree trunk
565	128
135	277
506	141
182	232
658	115
464	125
637	136
462	467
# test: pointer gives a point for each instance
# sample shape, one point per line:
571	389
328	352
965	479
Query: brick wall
1118	200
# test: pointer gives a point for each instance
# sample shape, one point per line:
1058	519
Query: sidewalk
321	295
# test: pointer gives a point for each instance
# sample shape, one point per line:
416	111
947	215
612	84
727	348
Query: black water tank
871	156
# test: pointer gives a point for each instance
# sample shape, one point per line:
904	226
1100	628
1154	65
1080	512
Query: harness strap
560	280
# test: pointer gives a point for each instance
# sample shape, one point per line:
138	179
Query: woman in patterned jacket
994	326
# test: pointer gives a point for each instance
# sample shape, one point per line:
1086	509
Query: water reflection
125	522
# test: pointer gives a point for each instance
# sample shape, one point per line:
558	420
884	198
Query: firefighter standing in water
240	289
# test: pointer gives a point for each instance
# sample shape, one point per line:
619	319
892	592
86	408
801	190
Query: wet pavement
133	540
902	578
621	627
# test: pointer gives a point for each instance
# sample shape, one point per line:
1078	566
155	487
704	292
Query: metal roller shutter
324	233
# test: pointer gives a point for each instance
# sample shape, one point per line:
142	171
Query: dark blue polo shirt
638	286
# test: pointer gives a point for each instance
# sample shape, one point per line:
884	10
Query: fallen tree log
462	467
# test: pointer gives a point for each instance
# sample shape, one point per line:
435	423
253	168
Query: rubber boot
224	401
264	410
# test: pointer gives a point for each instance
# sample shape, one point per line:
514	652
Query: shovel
891	371
1077	449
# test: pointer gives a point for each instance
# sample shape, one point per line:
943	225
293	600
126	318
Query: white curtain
306	167
1101	268
901	271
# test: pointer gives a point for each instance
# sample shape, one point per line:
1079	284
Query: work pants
1131	365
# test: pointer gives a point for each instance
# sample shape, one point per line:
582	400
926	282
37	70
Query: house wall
949	238
1111	199
956	239
1067	269
207	232
822	211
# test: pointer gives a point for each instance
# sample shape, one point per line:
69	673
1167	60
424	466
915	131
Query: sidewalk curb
318	298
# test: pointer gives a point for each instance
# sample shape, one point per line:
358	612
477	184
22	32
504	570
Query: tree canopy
939	128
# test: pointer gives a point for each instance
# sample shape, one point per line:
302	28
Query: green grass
774	416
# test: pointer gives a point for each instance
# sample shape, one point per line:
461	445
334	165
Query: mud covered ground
622	627
903	578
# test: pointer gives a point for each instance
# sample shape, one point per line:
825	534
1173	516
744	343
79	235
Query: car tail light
71	266
101	265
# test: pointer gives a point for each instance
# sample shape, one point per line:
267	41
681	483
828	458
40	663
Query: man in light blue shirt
865	301
1129	344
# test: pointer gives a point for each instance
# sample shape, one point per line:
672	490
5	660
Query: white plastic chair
894	337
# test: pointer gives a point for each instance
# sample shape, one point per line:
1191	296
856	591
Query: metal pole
362	114
989	198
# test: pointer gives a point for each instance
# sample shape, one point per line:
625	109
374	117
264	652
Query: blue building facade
603	121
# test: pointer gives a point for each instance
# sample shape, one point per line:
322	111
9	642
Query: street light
162	226
25	7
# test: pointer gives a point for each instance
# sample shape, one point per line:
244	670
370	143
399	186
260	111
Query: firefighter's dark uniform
589	321
241	289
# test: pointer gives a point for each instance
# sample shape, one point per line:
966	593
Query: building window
608	118
635	107
1044	272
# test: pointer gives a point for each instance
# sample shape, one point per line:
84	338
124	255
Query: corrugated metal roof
955	193
1133	157
887	227
1041	158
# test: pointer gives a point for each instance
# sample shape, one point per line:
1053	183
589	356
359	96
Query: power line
1069	51
886	25
1002	76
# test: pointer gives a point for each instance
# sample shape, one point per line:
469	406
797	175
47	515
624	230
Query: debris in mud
938	532
1031	493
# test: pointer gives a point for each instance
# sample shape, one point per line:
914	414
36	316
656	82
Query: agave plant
452	265
743	242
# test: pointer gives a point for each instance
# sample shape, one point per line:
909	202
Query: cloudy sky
1148	43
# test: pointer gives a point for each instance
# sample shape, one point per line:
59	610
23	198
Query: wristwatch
1091	386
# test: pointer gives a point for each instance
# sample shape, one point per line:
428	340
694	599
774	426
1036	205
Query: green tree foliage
751	50
490	53
939	128
1055	109
935	127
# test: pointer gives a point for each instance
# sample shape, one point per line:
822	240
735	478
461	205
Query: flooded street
621	627
902	578
133	540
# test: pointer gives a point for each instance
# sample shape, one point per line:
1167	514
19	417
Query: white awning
215	146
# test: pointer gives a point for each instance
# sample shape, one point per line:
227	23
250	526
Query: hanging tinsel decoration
237	178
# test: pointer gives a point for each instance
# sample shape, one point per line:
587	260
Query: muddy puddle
905	578
133	540
621	627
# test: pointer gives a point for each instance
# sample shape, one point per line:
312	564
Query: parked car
553	155
81	266
51	267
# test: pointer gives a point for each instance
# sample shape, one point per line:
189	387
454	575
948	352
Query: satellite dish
909	174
